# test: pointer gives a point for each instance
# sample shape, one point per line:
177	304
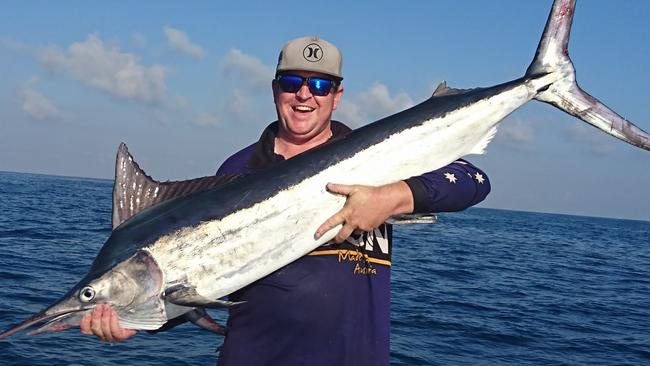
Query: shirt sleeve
236	164
454	187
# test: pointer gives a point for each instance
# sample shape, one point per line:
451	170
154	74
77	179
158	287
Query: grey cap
311	54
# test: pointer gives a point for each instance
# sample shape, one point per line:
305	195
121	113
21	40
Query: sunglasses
317	85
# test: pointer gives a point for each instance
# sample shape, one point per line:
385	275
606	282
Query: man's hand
366	207
103	323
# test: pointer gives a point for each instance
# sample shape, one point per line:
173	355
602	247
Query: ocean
480	287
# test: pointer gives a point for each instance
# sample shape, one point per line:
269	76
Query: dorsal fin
442	89
135	191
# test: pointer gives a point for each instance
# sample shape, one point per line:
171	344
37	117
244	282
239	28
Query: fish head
133	288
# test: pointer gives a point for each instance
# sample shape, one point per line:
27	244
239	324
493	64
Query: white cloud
107	68
179	41
36	104
252	71
583	134
181	102
11	44
372	104
138	40
515	133
241	108
206	119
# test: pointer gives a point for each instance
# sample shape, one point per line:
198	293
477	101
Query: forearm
396	198
454	187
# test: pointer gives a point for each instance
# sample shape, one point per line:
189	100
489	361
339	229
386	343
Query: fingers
117	332
106	324
339	217
342	189
85	325
365	208
334	220
96	321
103	323
344	233
114	326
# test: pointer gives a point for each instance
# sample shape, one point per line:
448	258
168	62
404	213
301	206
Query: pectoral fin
184	295
202	319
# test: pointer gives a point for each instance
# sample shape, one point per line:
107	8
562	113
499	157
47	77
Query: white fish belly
221	256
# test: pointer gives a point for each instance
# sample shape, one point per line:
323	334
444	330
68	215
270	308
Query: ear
337	96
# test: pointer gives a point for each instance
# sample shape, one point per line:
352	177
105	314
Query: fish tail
552	57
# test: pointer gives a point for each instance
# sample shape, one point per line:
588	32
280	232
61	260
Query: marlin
180	247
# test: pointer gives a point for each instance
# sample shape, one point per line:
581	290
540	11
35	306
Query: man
331	307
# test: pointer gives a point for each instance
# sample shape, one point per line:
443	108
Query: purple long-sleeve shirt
332	306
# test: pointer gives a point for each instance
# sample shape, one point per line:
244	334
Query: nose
303	93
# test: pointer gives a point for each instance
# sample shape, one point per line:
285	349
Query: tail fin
552	56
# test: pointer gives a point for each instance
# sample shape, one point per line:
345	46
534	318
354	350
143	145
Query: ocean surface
480	287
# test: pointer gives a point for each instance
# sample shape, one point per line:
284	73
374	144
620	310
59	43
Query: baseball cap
311	54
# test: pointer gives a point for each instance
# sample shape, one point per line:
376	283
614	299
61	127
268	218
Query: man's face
303	115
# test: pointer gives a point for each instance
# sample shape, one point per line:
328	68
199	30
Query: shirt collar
264	154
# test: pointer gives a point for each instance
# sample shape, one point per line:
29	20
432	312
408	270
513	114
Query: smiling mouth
303	109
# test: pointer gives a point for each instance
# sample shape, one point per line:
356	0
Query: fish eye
86	294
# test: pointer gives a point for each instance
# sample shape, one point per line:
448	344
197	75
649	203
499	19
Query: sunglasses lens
290	83
317	86
320	87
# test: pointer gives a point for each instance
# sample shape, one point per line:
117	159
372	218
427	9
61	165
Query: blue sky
186	84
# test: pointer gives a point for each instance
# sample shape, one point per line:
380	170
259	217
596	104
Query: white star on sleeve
479	177
451	177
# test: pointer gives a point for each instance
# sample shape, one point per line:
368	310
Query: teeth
303	108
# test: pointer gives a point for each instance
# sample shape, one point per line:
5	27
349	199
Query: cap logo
313	52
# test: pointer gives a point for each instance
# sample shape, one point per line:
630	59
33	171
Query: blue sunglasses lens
290	83
317	86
